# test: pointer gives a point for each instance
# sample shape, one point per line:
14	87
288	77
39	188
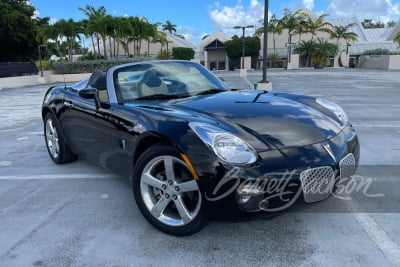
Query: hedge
91	65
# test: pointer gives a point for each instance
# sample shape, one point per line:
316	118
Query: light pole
347	48
243	42
40	59
265	41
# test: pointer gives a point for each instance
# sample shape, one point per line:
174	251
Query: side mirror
91	93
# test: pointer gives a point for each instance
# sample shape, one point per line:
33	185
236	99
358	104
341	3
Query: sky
196	18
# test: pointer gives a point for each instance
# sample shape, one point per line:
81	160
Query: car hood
277	120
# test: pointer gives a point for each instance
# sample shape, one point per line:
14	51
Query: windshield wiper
161	97
211	91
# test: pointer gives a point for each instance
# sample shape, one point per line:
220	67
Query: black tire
170	201
55	143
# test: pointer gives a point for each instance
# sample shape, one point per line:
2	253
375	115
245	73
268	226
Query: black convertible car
192	145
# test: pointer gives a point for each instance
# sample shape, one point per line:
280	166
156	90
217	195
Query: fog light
244	199
249	190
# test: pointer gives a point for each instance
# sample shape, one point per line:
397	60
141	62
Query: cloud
230	16
309	4
378	10
189	33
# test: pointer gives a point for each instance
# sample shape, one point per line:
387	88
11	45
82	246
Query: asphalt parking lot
79	215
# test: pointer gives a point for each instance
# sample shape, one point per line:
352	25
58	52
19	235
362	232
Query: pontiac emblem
328	149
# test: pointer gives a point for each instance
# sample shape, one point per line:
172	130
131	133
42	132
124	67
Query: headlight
226	146
335	109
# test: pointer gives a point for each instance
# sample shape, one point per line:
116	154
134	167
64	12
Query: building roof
369	39
366	35
217	35
180	42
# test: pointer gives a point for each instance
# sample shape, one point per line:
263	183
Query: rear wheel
55	143
166	192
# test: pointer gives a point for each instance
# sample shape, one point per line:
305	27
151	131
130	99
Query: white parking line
58	176
376	125
383	241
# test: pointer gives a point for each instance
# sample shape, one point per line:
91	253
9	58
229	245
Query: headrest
98	80
151	79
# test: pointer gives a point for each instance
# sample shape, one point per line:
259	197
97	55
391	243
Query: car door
125	135
88	130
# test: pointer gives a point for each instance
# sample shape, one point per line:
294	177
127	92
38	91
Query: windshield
165	80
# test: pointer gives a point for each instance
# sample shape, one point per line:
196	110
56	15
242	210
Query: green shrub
378	51
164	54
91	65
183	53
46	64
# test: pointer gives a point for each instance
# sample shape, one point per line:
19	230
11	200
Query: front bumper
281	177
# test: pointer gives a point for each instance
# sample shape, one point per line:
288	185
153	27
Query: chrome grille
317	183
347	166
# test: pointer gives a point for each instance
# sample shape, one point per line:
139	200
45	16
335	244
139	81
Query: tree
169	27
342	32
18	31
321	50
305	49
161	38
70	30
183	53
151	32
290	21
369	23
302	27
274	27
95	26
317	25
87	33
233	48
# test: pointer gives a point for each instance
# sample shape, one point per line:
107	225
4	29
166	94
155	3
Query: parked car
191	145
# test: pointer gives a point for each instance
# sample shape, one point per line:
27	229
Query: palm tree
290	21
125	33
321	50
169	27
150	32
274	27
302	27
68	29
95	23
87	33
161	38
305	49
342	32
111	31
317	25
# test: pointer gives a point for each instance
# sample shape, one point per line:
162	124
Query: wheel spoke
159	207
182	210
188	186
57	147
50	124
148	179
52	139
169	168
51	147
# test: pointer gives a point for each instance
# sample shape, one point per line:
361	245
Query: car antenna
65	83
